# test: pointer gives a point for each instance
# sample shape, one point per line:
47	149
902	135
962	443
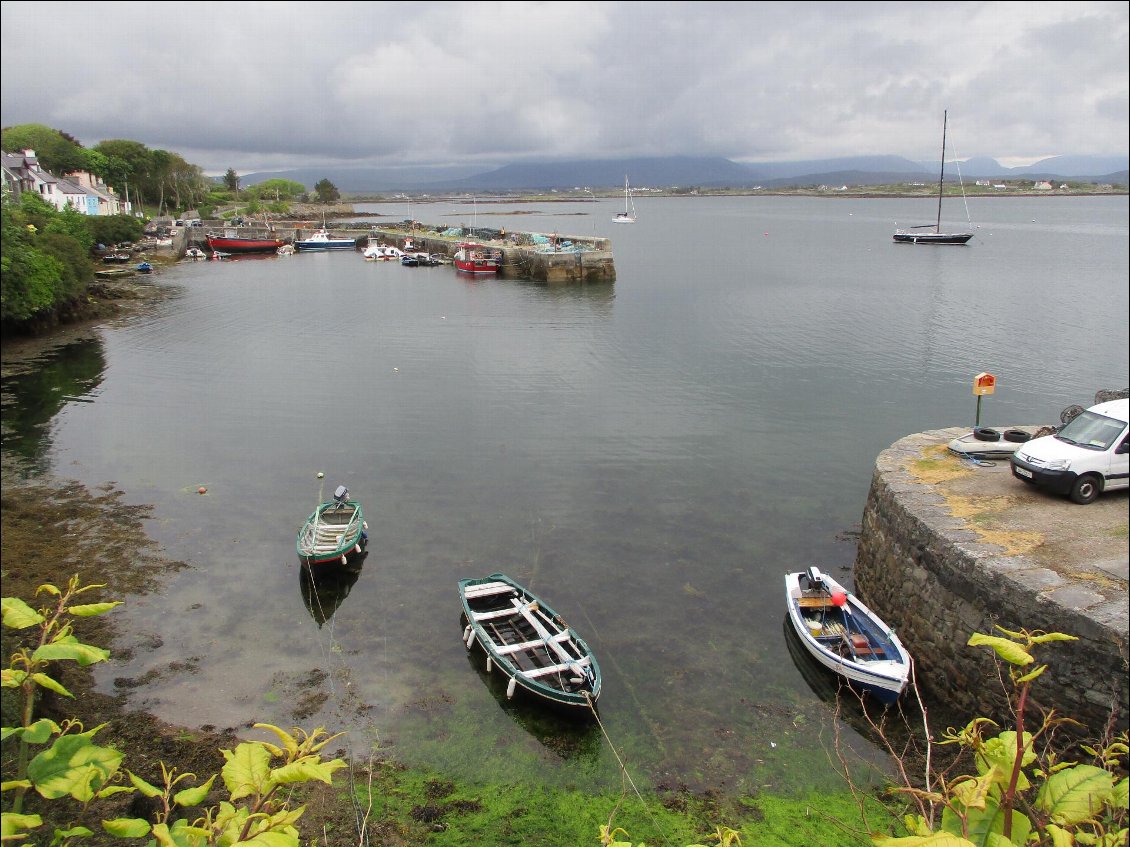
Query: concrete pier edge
929	571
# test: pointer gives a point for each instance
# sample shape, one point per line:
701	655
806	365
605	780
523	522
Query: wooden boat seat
814	602
551	669
532	645
487	589
501	613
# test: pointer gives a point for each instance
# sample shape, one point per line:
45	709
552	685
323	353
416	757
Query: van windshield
1091	430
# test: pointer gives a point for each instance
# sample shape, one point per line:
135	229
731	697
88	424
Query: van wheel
983	433
1085	489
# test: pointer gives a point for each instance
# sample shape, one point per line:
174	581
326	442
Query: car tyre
983	433
1017	436
1085	489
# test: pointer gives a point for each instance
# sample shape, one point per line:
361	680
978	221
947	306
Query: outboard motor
815	578
340	496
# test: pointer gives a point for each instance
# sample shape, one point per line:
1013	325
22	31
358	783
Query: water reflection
32	398
567	735
325	588
834	690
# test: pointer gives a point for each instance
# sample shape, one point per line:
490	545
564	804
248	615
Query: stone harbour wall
934	574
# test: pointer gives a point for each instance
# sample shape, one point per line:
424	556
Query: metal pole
978	423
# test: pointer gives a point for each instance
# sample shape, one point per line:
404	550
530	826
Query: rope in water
361	816
624	771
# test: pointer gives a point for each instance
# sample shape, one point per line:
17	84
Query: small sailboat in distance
628	216
923	234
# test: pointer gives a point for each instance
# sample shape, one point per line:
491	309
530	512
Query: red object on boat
476	259
239	244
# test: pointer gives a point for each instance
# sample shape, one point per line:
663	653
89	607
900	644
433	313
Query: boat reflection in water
325	588
560	731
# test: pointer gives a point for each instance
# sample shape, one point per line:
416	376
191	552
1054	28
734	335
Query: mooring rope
624	771
361	816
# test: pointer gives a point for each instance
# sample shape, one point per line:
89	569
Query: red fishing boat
224	243
476	259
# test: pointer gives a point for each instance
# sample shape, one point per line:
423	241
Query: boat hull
333	534
220	244
851	641
529	644
932	237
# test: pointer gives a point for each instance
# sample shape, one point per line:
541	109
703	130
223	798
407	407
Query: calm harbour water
651	455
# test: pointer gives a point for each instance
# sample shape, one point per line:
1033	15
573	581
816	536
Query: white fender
344	559
470	637
510	688
490	664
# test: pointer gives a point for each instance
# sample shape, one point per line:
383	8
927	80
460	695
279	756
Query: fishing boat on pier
224	243
476	259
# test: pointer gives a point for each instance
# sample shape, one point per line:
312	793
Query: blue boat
144	268
845	636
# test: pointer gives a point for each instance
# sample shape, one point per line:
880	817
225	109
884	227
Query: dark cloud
260	86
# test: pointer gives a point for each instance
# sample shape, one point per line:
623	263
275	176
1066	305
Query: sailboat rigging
628	216
921	234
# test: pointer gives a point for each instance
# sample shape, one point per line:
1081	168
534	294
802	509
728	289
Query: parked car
1090	454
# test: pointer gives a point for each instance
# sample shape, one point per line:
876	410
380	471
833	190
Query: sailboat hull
932	237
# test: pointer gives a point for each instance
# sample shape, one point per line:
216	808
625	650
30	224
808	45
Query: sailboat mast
942	174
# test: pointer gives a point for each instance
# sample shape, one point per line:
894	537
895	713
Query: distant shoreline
829	194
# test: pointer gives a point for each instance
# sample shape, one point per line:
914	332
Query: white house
108	203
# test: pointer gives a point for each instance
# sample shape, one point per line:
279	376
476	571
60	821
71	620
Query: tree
277	189
327	192
27	274
57	152
231	180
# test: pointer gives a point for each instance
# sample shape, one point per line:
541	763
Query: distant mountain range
688	171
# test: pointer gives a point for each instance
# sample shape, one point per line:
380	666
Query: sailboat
922	234
628	216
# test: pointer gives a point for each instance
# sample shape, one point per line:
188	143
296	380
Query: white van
1089	455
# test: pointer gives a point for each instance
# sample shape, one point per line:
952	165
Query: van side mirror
1124	447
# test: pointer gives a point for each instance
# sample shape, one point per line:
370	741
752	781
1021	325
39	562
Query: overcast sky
268	86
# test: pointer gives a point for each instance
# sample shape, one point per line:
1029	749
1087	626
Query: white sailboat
628	216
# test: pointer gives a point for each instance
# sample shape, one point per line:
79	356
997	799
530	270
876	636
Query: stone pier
949	548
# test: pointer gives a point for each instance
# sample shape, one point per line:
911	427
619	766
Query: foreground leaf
1076	794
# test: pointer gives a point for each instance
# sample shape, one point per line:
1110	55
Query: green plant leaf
247	770
73	765
1008	650
194	796
40	731
91	609
306	770
13	825
128	827
111	790
1031	675
73	832
70	648
9	785
146	788
273	838
17	614
47	682
1119	796
1000	752
1075	794
1060	836
936	839
10	678
1053	636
